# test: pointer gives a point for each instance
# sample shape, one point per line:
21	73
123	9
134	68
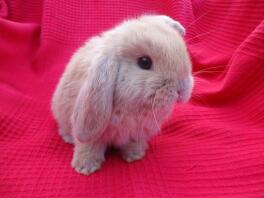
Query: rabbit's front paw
133	151
86	165
132	156
87	161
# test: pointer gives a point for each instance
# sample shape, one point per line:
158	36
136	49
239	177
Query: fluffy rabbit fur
105	99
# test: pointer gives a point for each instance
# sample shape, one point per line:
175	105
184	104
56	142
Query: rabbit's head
154	65
141	63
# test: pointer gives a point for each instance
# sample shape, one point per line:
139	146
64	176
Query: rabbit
119	87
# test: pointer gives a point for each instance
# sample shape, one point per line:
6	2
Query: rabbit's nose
180	98
166	82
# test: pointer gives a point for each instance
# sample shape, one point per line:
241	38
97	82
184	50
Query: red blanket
211	147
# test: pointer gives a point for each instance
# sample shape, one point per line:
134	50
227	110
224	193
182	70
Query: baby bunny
119	87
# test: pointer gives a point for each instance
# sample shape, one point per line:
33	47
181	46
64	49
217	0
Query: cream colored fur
105	99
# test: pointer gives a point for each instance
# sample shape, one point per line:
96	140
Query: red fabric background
211	147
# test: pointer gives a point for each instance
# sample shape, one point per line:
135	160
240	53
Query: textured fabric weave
210	147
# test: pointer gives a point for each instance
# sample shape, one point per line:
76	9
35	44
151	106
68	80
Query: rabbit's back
69	86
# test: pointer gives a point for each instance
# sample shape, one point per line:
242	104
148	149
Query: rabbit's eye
144	62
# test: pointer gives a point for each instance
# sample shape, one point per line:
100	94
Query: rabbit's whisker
153	112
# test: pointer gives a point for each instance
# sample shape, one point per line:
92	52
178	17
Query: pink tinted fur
93	100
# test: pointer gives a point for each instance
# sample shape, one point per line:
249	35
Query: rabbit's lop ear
175	24
168	20
93	107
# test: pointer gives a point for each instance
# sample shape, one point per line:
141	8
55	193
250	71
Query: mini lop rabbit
119	87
